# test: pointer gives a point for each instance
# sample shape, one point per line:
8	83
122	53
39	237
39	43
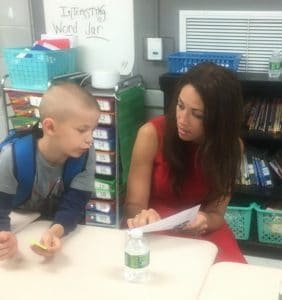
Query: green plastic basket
269	225
239	220
33	69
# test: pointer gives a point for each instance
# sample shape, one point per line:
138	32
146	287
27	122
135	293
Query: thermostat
154	49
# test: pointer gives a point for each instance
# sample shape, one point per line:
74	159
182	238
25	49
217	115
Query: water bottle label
137	261
274	65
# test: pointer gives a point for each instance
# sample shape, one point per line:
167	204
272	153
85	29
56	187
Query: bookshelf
254	86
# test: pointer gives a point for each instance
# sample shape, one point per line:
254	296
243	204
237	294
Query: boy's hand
8	245
146	216
51	240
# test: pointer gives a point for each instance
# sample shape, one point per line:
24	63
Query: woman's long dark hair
220	151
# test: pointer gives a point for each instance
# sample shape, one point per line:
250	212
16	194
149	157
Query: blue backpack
23	149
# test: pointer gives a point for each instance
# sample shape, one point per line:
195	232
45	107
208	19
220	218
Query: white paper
172	221
19	220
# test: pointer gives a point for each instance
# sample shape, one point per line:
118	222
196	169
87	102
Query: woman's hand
146	216
198	226
8	245
51	239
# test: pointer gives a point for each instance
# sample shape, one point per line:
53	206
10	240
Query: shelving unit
122	113
257	85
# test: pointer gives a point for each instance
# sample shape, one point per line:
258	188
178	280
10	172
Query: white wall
15	31
154	103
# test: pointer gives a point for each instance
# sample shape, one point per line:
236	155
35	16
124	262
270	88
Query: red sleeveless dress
195	189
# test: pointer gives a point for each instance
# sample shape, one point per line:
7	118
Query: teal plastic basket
239	220
33	69
181	62
269	225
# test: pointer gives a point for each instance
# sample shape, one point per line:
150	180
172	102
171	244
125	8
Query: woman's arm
140	172
215	213
209	218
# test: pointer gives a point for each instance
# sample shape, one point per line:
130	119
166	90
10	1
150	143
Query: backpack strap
74	166
23	150
24	167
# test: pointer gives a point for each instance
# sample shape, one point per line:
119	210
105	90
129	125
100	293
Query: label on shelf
102	184
106	104
102	218
100	206
104	133
105	157
104	145
103	194
105	169
106	119
100	133
103	207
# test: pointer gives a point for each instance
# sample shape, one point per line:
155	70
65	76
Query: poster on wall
103	31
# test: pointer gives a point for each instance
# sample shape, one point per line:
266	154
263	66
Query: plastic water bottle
274	64
136	257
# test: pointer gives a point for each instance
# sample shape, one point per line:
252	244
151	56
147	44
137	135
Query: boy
68	116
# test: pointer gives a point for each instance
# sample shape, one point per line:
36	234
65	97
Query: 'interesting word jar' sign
103	31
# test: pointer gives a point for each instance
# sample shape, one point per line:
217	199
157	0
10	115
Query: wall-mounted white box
154	49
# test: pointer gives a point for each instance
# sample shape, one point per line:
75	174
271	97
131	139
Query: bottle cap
136	233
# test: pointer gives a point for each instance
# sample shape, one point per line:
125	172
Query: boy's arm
6	201
72	204
71	209
8	187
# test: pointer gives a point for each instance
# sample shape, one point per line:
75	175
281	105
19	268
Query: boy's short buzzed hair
61	99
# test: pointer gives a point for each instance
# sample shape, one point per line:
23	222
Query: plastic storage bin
239	220
181	62
269	225
33	69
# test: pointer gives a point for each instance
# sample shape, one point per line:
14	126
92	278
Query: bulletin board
102	29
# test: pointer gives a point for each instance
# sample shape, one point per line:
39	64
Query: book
251	169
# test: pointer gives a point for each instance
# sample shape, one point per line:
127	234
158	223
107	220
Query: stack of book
255	170
263	115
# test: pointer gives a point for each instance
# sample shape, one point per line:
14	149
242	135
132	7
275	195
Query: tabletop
234	281
90	265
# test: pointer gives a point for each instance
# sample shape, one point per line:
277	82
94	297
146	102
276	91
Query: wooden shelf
262	137
256	248
260	192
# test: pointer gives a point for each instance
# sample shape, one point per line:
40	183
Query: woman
191	156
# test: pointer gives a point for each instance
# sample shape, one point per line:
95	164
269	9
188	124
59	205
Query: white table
234	281
90	266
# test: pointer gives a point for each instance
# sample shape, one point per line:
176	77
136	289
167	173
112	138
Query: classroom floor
262	261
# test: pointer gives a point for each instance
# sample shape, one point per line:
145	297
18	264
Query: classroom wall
15	26
160	18
152	18
168	24
15	30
